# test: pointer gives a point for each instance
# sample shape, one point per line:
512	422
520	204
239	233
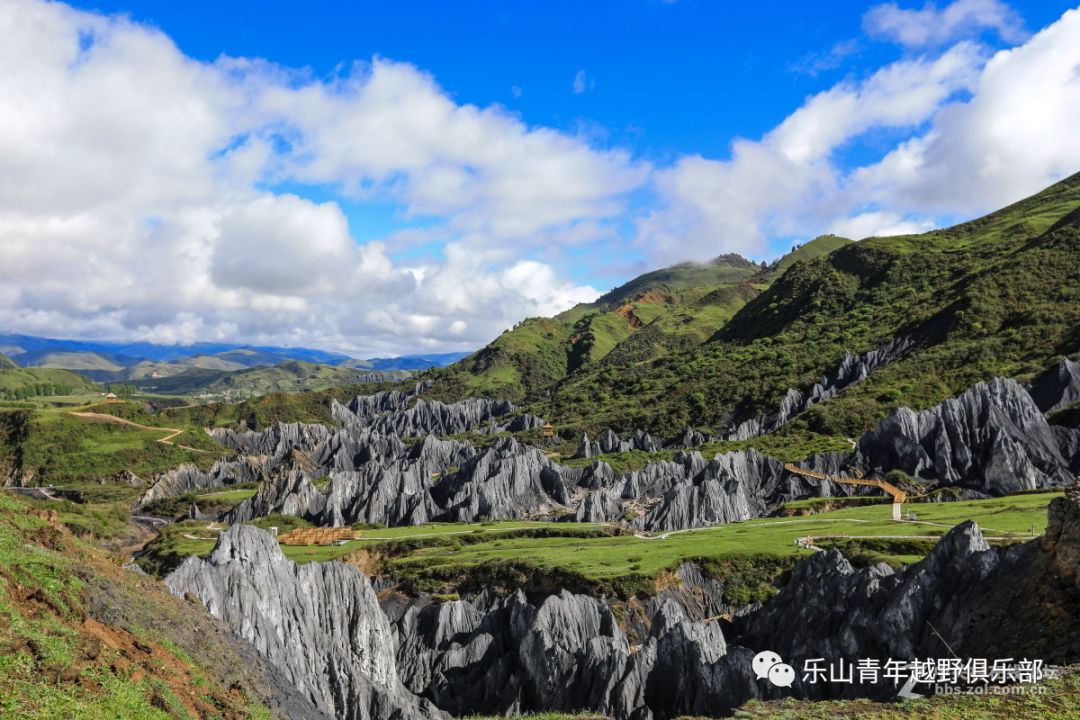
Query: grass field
437	556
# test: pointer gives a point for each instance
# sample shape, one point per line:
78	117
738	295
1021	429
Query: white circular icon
763	661
782	675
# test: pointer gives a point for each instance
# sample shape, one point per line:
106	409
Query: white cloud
931	26
878	224
137	185
815	63
283	245
786	183
134	200
979	131
581	82
1014	137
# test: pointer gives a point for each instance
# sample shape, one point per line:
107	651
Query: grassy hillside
818	247
288	376
996	296
55	446
76	361
154	656
46	447
22	383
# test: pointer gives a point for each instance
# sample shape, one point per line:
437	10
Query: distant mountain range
32	366
111	361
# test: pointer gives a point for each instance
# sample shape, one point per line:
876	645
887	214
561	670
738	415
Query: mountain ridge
995	296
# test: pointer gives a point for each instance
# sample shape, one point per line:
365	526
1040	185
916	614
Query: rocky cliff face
1058	387
188	478
993	437
320	624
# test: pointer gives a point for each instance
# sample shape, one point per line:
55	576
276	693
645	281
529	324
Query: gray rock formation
489	654
1058	387
276	442
641	440
852	369
432	417
369	407
374	479
445	480
319	623
188	478
1068	442
993	438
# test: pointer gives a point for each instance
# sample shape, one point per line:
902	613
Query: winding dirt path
167	439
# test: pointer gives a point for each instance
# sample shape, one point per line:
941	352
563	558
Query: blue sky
664	78
558	149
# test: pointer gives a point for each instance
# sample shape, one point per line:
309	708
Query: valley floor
442	557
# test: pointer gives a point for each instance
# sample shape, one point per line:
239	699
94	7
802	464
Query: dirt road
166	440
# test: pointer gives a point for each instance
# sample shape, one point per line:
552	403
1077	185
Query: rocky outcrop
733	486
490	655
188	478
609	442
507	481
852	369
449	481
993	438
276	442
319	623
1058	387
1061	541
1068	442
433	417
369	407
374	479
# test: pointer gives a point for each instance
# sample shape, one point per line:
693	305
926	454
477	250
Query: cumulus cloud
144	194
786	182
138	200
979	130
878	224
931	26
1016	135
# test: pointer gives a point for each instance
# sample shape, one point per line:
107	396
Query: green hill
289	377
83	638
680	305
996	296
18	383
818	247
76	361
999	295
218	362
